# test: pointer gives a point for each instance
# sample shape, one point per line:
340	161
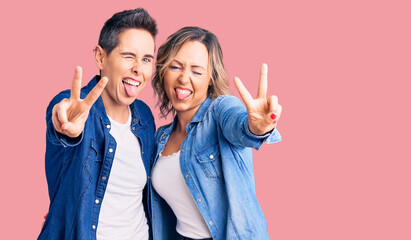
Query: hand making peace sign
263	113
70	115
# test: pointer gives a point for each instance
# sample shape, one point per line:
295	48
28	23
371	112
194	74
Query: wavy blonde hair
168	51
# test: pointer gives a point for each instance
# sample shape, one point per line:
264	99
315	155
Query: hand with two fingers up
263	112
70	115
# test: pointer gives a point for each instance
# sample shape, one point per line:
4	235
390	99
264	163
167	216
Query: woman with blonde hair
202	184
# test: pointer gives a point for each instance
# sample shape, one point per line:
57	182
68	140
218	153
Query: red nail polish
273	116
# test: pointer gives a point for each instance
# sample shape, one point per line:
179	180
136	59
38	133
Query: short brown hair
136	18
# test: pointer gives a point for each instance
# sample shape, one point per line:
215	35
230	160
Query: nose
184	77
136	68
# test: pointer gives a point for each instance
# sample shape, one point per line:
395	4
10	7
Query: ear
100	57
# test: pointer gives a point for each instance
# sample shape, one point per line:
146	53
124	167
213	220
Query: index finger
95	93
262	87
245	95
76	84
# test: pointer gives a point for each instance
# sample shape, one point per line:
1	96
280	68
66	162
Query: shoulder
224	102
161	130
63	94
66	93
143	111
56	99
142	107
226	99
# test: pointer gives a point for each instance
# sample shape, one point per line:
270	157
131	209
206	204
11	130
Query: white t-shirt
122	213
169	183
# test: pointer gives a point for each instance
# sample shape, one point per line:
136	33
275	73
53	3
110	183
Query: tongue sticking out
131	90
182	94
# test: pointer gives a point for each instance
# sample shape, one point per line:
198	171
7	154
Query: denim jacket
78	170
217	166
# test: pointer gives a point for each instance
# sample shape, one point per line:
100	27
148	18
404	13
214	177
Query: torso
174	142
122	213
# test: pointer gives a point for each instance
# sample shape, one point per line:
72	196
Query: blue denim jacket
78	170
217	165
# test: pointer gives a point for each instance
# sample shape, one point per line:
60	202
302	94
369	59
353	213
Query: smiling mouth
182	94
131	82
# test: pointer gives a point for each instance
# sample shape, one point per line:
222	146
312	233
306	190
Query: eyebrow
192	66
133	54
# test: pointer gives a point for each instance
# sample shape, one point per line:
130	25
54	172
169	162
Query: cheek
148	71
167	88
167	80
203	85
115	85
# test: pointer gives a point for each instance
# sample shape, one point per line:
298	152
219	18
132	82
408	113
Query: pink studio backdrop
341	70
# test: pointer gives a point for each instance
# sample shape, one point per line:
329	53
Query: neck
183	118
119	115
117	112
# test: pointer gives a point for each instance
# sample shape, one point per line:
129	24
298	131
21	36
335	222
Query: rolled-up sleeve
232	116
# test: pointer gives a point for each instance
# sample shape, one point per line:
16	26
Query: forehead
193	53
136	40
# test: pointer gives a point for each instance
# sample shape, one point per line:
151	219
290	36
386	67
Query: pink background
341	70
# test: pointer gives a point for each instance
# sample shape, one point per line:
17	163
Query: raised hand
70	115
263	112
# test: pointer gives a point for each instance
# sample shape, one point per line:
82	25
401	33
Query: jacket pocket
209	158
94	156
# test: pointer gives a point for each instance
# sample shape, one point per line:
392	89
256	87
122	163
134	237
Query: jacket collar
198	117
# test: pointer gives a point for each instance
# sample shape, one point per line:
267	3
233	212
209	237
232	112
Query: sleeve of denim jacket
52	135
231	115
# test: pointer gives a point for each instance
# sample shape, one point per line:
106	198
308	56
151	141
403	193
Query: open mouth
131	82
182	93
131	86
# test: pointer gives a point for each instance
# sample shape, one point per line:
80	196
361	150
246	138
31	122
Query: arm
255	122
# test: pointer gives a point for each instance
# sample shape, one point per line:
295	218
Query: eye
174	67
147	60
197	73
129	57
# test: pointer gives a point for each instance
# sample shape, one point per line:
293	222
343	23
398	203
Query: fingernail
273	116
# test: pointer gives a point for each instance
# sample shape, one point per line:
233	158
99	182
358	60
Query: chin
181	107
127	101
